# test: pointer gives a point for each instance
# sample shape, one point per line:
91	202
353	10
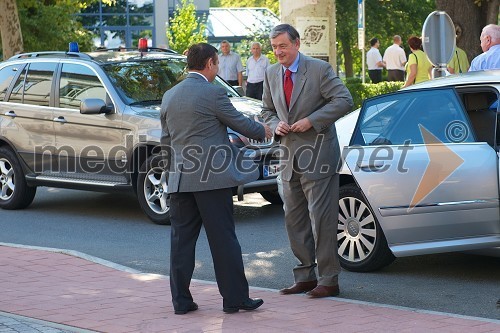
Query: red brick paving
72	291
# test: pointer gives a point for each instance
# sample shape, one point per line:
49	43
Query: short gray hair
256	43
492	30
293	34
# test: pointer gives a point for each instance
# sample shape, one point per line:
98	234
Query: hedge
361	91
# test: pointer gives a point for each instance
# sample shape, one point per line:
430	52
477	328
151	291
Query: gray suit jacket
319	95
194	116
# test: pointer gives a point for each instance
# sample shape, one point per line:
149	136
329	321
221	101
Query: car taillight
143	44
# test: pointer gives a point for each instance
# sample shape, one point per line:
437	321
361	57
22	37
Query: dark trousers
375	75
233	82
254	90
395	75
213	209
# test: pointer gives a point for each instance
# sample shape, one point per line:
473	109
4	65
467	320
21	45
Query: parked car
421	172
90	121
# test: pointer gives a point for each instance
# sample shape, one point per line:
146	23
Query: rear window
6	75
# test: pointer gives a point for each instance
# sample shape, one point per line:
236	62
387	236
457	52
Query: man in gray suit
302	99
203	168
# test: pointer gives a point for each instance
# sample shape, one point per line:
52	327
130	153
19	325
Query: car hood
248	106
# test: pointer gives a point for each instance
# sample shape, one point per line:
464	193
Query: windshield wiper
146	102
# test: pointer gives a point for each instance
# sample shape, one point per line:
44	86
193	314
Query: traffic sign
438	38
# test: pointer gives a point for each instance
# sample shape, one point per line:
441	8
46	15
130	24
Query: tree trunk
469	19
348	62
10	29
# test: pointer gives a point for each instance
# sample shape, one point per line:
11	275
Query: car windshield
145	81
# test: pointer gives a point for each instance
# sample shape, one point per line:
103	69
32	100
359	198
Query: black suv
90	121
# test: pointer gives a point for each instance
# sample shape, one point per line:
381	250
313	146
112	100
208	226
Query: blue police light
73	47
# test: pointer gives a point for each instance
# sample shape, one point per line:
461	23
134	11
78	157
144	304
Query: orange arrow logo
442	163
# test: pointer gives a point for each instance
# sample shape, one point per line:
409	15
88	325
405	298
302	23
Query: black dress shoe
192	307
249	304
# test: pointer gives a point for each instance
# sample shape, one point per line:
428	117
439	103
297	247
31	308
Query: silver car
421	172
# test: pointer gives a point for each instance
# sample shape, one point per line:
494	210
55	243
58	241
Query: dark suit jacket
318	94
195	115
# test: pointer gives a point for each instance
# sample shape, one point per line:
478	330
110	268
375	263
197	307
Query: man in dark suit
302	99
203	167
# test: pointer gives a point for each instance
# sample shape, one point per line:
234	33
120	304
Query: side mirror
93	106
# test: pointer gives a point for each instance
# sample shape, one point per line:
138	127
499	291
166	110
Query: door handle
60	119
11	114
367	166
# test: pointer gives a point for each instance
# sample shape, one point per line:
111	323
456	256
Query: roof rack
118	49
54	54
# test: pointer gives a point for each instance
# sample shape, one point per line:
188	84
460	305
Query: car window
77	83
146	80
231	92
6	75
396	119
35	86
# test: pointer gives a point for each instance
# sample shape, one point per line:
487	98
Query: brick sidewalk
72	291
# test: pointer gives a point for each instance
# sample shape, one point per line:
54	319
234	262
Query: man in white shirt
395	60
256	70
374	61
230	67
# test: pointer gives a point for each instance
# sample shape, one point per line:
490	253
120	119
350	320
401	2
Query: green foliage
51	25
184	28
383	19
360	91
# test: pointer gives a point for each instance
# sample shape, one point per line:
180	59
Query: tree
47	25
383	19
52	25
184	28
273	5
10	29
469	17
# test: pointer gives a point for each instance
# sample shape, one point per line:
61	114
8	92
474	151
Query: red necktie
288	86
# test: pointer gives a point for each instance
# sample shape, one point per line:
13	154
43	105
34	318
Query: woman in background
418	67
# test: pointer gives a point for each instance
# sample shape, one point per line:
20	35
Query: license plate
271	170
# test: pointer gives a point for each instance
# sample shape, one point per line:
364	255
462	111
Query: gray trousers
311	217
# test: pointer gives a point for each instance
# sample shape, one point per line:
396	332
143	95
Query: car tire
152	190
362	246
272	196
14	191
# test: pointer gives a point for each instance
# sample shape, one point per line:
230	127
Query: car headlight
236	140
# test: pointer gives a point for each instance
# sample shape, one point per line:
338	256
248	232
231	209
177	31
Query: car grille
260	143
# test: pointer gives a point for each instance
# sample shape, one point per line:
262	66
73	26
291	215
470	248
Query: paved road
111	226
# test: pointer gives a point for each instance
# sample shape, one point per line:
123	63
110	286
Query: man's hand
282	129
269	131
301	126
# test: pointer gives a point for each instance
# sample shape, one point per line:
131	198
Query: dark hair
293	34
198	55
415	43
373	41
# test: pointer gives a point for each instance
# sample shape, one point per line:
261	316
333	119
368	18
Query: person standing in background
302	99
256	69
490	44
459	63
374	61
395	60
418	67
230	67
